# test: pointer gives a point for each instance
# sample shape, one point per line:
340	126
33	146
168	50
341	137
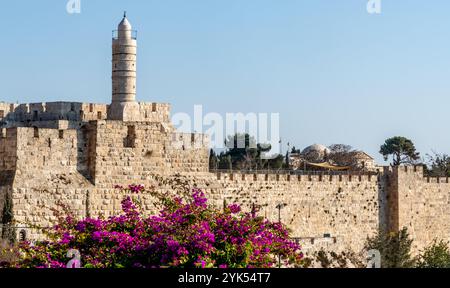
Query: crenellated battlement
157	112
417	173
297	177
52	111
437	180
74	111
184	141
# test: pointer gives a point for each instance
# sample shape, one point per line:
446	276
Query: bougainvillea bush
187	233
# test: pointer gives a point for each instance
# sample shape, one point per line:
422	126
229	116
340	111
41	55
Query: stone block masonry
130	152
61	157
343	208
79	163
421	204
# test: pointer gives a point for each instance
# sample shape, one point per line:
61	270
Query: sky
333	72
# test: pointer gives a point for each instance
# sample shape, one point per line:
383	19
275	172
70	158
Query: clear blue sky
335	73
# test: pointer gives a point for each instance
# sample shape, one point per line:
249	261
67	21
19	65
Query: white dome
316	153
125	31
124	24
316	148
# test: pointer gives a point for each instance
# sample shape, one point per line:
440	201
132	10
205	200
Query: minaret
124	106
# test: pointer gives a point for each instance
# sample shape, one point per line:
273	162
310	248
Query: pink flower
235	208
186	233
136	188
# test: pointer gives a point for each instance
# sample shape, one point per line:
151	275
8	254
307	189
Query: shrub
186	233
330	259
9	254
394	247
435	256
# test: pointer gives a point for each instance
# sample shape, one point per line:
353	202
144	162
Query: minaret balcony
115	34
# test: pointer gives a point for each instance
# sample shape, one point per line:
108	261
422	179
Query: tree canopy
401	149
438	165
395	248
244	153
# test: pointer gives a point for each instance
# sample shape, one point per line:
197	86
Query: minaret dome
124	29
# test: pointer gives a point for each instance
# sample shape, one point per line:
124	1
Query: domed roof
316	148
124	24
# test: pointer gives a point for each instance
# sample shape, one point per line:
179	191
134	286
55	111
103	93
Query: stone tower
124	49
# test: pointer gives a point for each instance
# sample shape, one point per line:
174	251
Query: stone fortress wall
78	163
54	158
421	204
337	210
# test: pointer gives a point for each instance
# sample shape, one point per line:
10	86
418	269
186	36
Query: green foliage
213	160
401	149
439	165
395	249
9	253
276	163
8	232
7	215
245	154
435	256
331	259
295	150
342	155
